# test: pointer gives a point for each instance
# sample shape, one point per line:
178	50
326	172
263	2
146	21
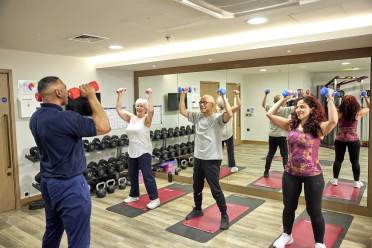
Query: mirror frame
270	61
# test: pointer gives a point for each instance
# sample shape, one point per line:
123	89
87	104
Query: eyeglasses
203	102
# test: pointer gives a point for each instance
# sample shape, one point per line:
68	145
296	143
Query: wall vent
88	38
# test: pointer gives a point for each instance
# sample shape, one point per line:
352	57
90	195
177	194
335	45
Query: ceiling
44	27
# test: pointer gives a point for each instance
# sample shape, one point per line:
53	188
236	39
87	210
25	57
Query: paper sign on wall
26	87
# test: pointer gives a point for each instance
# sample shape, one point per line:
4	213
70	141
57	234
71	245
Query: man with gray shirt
277	136
207	152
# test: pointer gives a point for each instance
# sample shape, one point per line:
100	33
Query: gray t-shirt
208	135
276	131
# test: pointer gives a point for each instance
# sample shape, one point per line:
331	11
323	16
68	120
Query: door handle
9	169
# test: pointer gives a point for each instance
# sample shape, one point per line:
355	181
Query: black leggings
340	149
292	187
274	143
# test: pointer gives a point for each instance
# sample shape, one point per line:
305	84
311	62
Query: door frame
13	146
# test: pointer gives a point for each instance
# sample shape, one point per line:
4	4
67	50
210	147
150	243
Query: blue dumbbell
267	91
363	93
181	89
221	91
286	93
324	91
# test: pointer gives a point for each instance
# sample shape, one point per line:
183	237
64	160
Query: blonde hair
141	101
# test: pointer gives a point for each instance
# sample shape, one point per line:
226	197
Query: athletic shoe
234	169
153	204
320	245
194	213
358	184
334	181
283	240
224	222
131	199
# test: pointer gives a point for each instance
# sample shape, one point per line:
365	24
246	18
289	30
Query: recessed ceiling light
263	69
289	51
210	60
345	63
153	66
115	47
256	20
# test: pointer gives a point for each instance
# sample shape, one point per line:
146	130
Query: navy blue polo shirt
58	135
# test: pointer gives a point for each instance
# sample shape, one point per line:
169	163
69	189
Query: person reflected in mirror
277	136
227	131
349	114
307	126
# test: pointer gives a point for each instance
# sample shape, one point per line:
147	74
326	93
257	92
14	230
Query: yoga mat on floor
344	192
244	205
225	171
166	194
336	227
273	182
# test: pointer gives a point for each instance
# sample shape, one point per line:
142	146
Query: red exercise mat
303	234
344	191
274	181
165	195
211	220
224	171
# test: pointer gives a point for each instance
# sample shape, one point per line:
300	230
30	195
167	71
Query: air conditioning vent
88	38
224	9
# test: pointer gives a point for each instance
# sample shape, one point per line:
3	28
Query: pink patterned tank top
303	154
347	130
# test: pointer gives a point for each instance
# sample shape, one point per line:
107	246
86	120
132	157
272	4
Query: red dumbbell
38	97
74	93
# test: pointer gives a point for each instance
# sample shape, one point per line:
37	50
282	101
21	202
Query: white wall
73	71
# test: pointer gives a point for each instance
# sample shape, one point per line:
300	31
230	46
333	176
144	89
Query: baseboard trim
28	200
256	142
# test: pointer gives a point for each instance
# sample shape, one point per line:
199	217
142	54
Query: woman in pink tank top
349	113
305	129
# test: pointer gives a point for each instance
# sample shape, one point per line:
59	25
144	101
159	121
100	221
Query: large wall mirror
251	127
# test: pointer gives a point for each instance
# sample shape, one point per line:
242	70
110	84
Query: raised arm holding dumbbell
263	104
125	115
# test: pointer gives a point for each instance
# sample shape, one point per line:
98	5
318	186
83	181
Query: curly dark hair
317	115
349	107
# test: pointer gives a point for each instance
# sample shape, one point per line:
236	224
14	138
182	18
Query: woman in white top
227	131
140	147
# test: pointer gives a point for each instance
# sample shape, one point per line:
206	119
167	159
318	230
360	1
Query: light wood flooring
24	228
250	157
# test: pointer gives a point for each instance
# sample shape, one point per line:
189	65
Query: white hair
220	103
141	101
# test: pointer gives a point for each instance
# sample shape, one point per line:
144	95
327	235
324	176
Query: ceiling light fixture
210	60
256	20
289	51
153	66
115	47
263	69
345	63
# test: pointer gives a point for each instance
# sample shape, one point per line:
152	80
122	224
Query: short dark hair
46	82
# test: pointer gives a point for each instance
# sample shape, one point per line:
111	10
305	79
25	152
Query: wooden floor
24	228
250	157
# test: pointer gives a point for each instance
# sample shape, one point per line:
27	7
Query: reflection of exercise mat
225	171
275	158
344	192
166	194
335	229
203	229
273	182
325	162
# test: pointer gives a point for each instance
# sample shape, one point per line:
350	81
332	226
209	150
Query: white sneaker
358	184
283	240
131	199
334	181
320	245
234	169
153	204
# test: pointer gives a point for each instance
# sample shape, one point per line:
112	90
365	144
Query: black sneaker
224	222
194	213
266	173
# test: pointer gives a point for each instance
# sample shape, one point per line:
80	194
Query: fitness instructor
58	134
